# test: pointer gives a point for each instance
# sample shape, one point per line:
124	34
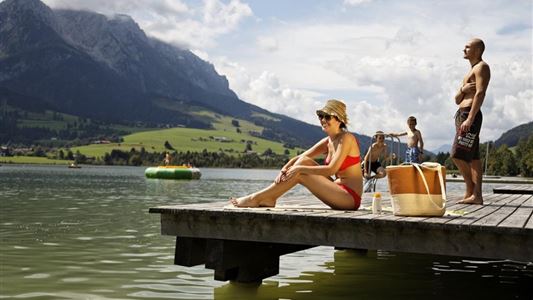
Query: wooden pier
514	189
244	244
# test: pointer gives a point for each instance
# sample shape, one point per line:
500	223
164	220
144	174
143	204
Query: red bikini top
348	162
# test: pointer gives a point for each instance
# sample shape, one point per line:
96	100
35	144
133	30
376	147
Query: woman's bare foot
251	201
471	200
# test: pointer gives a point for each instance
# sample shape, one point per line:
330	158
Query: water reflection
386	275
86	234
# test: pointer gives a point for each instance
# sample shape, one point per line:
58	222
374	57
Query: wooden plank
502	212
494	180
514	189
463	209
481	211
518	219
529	224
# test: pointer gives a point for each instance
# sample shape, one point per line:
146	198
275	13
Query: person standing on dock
415	144
468	119
342	160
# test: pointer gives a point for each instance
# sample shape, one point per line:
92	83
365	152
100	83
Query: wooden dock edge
245	247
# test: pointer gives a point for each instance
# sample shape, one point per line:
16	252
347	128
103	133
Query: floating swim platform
173	172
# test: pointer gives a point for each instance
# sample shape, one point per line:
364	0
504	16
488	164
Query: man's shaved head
478	44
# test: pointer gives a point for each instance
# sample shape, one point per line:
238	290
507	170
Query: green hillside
515	134
224	137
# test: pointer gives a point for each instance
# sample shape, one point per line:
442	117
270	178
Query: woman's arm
345	144
317	149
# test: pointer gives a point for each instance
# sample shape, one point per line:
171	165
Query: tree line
501	161
204	158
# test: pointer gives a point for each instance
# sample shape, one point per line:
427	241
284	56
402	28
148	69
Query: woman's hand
281	176
291	172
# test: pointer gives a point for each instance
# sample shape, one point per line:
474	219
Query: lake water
86	234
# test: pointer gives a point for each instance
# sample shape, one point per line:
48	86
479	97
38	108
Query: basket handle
441	181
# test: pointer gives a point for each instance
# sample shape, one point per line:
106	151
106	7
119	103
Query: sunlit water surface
86	234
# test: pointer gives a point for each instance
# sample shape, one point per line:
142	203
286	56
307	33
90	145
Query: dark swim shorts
374	166
466	144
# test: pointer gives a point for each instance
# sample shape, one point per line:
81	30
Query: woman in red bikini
341	149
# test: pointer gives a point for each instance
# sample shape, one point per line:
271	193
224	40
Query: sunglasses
324	116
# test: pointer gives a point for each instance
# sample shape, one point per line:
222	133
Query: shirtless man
378	151
468	119
414	153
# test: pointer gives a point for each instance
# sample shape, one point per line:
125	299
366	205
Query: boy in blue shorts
415	143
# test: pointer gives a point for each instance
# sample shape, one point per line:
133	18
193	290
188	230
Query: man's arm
462	90
482	74
459	96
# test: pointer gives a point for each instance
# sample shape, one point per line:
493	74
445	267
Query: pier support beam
240	261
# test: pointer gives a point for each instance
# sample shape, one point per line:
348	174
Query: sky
387	60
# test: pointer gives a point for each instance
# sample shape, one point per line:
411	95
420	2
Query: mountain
107	69
443	148
513	135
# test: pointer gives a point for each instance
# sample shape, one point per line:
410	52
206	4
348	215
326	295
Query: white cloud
387	60
266	91
165	8
225	17
172	21
355	2
405	60
267	44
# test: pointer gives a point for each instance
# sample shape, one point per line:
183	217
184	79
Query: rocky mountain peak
27	8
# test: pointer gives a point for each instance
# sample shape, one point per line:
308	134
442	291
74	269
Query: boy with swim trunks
377	152
414	152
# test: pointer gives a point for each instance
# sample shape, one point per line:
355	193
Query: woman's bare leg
328	191
269	195
322	187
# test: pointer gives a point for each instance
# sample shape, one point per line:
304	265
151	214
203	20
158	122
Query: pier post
241	261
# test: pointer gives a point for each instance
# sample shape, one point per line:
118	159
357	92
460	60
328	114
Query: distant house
22	151
222	139
4	151
101	142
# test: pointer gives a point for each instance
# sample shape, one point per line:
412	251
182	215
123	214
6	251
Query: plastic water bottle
376	203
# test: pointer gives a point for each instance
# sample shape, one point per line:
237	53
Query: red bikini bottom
355	196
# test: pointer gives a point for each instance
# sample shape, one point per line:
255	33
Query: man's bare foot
471	200
467	195
251	201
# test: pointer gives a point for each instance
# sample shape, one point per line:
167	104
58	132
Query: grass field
186	139
224	137
32	160
194	140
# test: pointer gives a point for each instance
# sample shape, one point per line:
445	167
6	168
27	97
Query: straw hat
335	108
379	132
